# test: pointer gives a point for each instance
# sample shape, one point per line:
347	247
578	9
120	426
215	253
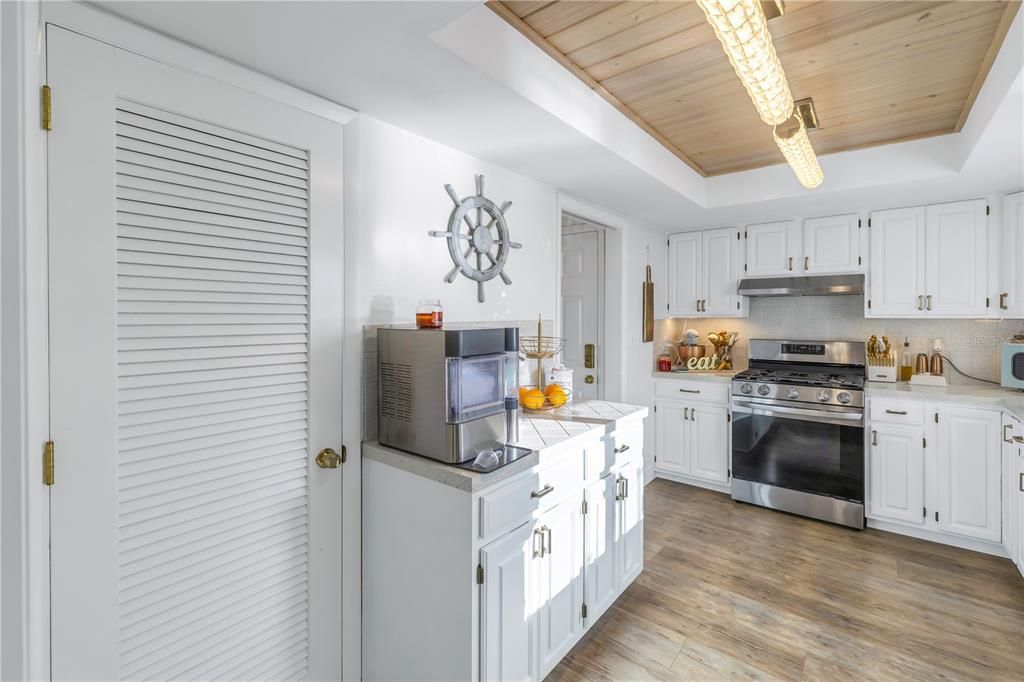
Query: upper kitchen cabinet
1011	288
704	273
773	249
832	245
929	261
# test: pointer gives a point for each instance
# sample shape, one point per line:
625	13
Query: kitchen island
470	575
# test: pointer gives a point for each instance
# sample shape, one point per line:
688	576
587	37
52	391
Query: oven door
813	449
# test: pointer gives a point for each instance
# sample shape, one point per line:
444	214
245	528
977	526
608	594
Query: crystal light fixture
791	137
742	29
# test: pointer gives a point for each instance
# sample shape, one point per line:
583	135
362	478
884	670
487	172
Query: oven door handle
822	416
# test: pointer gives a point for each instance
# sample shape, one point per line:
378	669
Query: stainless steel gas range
798	429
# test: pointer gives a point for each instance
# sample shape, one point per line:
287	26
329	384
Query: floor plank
732	591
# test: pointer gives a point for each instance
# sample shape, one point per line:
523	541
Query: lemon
552	389
557	398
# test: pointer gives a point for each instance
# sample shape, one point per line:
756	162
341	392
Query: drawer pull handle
929	298
1021	482
538	554
686	413
1018	439
874	437
920	302
903	412
620	491
1006	437
621	449
543	491
689	390
1002	302
791	264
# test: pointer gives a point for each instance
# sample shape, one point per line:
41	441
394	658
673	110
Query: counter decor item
723	342
468	249
906	361
881	360
429	314
539	348
648	312
665	361
930	371
688	348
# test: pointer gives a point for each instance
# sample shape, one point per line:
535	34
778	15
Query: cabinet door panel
1018	488
720	276
1011	291
630	555
601	537
897	473
773	249
1011	427
957	259
897	274
968	473
507	604
709	442
831	245
560	584
684	275
670	444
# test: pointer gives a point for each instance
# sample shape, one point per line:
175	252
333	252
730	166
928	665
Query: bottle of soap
906	361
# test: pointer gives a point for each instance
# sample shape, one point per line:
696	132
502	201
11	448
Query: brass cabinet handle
920	302
874	437
1007	439
929	297
589	379
896	412
543	491
621	449
791	264
1002	302
807	262
329	459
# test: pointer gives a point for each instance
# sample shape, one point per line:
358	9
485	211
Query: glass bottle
906	361
429	314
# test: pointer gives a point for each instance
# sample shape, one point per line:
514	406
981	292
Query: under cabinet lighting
742	29
791	137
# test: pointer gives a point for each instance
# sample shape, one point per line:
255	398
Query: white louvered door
195	346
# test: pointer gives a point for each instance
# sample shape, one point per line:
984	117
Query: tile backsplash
972	344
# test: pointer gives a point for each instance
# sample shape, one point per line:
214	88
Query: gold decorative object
540	347
723	342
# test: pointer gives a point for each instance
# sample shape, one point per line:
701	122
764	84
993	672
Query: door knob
329	459
589	379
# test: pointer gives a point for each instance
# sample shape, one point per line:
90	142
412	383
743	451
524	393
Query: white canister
561	375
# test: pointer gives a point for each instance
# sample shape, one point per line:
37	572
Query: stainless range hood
820	285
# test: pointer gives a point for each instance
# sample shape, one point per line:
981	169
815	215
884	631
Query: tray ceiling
879	72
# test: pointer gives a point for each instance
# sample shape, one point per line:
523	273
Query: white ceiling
380	59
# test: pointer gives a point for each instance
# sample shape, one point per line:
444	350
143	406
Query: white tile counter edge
546	433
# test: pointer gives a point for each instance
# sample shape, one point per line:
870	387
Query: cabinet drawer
510	505
896	411
614	451
680	389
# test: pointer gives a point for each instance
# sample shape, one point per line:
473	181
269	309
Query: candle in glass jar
429	314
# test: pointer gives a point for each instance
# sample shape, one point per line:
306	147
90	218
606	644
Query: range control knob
824	395
844	397
764	389
746	388
793	393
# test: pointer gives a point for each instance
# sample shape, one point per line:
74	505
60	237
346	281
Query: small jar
429	314
664	363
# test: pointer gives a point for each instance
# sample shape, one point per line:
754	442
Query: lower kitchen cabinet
1013	490
936	467
468	580
692	441
1017	491
896	461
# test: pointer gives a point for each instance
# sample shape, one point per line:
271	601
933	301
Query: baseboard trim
682	478
983	546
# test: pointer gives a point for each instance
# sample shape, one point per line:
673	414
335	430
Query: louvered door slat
212	364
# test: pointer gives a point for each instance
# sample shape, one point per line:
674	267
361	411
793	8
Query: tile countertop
697	375
984	395
542	432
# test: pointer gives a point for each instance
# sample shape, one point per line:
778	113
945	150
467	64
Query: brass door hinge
479	574
584	508
48	463
46	108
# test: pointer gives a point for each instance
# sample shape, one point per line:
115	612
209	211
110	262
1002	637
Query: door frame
613	310
602	232
24	328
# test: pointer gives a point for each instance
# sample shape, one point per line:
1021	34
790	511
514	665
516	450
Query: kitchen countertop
541	432
984	395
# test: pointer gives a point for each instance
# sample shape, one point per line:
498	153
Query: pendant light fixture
791	137
742	29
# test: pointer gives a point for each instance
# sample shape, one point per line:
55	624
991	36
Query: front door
582	282
195	345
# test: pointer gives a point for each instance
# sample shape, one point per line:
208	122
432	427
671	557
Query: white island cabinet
497	576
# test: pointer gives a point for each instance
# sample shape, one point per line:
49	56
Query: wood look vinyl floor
731	590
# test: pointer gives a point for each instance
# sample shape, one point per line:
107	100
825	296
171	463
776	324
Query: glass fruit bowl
535	399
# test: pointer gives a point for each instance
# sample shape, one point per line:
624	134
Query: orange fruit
522	392
552	389
532	399
558	398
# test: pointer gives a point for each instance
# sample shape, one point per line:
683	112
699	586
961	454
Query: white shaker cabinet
831	245
629	539
897	468
1011	290
559	582
692	429
956	260
1011	429
684	274
1017	491
896	277
969	464
709	442
773	249
507	606
704	270
671	428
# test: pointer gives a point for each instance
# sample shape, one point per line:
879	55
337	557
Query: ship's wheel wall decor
476	228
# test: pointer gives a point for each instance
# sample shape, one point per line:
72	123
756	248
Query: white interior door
195	345
582	261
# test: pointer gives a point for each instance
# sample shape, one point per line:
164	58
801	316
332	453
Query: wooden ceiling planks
879	72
